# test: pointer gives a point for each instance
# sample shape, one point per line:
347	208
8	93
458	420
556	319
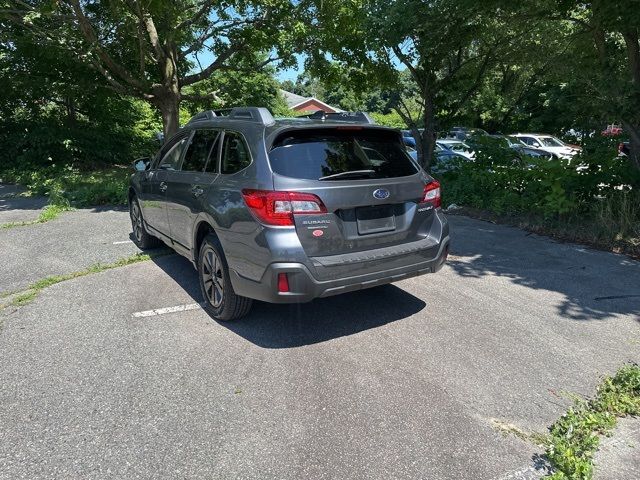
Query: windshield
314	154
457	146
551	142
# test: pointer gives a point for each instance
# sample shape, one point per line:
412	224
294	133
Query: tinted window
235	154
197	154
313	154
171	161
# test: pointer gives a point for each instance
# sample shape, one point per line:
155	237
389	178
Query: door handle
163	187
197	190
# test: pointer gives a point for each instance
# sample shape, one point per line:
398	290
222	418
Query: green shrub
69	186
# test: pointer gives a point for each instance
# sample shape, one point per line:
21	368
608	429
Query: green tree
608	57
150	50
432	56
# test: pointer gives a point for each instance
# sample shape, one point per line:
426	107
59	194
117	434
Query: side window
171	160
201	146
235	153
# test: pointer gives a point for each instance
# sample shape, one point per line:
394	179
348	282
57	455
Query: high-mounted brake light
278	208
432	193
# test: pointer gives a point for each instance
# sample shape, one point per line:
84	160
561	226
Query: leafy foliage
575	437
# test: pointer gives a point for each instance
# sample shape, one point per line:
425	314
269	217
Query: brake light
432	194
278	208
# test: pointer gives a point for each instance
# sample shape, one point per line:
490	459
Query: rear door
187	186
371	188
154	208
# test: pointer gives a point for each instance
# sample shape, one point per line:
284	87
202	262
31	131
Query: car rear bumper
304	286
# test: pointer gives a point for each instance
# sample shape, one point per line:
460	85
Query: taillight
432	194
278	208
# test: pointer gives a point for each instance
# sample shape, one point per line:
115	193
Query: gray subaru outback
288	210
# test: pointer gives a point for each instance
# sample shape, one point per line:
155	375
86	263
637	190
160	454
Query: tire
220	300
141	238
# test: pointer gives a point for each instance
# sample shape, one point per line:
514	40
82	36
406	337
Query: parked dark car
408	139
288	210
464	133
623	149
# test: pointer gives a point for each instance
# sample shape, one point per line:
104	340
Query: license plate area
375	219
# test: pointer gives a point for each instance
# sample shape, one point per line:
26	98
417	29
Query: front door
154	208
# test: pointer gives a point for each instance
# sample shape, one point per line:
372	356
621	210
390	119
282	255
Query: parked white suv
549	144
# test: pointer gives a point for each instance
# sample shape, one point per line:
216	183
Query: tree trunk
631	125
71	111
634	145
428	137
167	95
168	102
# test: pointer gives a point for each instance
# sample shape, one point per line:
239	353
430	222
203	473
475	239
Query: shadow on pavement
295	325
22	203
595	285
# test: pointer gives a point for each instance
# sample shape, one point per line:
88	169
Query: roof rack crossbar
360	117
256	114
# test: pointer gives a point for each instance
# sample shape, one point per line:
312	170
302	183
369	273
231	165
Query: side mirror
141	164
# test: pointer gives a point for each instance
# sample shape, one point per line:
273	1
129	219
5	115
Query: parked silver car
288	210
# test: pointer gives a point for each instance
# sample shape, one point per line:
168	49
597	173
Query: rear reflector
283	282
432	194
278	208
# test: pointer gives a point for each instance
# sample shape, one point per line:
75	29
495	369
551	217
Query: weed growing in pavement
31	292
574	439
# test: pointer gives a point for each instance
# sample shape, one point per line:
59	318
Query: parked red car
612	130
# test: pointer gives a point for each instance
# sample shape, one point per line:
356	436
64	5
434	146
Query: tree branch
206	6
215	65
90	35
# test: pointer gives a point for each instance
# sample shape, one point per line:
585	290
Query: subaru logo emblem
381	194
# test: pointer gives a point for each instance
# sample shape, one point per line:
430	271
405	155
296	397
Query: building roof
294	100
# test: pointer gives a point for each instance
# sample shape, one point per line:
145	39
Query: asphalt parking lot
119	374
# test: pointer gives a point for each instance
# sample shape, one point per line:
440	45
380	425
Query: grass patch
574	439
31	292
50	212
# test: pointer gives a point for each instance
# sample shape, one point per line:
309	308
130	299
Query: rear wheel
140	236
220	300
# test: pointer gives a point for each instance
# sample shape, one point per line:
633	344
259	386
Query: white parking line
122	242
162	311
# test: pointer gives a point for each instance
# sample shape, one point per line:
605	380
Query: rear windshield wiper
350	174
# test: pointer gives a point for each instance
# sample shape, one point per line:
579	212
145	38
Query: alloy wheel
136	220
212	277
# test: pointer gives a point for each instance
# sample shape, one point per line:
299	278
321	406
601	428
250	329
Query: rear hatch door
370	186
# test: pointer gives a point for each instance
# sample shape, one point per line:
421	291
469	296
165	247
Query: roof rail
360	117
206	115
256	114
